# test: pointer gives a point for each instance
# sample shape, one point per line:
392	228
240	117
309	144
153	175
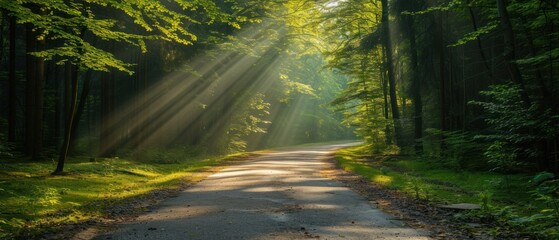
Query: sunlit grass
433	181
382	179
31	198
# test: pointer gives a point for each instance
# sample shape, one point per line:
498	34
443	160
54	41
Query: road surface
279	195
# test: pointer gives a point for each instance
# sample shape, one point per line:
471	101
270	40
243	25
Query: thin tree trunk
58	112
479	46
385	110
69	122
416	89
106	147
442	78
31	78
12	99
442	84
544	90
391	78
39	103
4	16
79	111
35	77
510	51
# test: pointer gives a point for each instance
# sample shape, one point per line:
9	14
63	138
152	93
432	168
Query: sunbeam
219	86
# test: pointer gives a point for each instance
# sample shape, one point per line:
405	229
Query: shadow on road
276	196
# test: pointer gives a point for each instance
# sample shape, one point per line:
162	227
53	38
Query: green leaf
476	34
543	176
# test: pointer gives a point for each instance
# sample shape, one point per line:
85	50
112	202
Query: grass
31	200
509	202
432	181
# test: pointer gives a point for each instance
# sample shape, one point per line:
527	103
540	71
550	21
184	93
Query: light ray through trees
164	114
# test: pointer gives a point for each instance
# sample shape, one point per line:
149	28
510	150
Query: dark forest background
471	82
117	78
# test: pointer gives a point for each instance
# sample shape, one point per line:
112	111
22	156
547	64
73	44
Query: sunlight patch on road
177	213
236	173
261	189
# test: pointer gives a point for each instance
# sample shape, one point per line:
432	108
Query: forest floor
289	198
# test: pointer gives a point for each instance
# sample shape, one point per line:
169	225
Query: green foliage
485	199
6	150
547	190
476	34
541	58
434	180
250	119
459	152
71	23
417	187
502	157
514	127
544	224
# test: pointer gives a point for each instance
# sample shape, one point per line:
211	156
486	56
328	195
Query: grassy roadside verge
428	180
507	200
32	201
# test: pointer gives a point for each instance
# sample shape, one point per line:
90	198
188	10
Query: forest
470	85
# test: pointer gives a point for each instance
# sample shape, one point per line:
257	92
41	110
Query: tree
408	22
12	117
388	57
510	50
76	24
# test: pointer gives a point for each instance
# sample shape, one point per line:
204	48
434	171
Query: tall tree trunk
479	45
106	147
442	83
3	17
39	103
58	112
79	111
416	88
386	40
29	91
35	77
510	50
67	95
69	123
12	82
385	106
544	90
442	74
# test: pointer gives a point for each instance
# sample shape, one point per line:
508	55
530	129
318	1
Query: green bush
459	152
515	129
6	149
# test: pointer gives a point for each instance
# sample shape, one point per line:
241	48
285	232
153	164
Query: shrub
515	130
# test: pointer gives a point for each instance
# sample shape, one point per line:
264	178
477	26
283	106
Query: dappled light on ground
279	195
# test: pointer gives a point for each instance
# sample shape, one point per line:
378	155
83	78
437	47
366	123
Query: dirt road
279	195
